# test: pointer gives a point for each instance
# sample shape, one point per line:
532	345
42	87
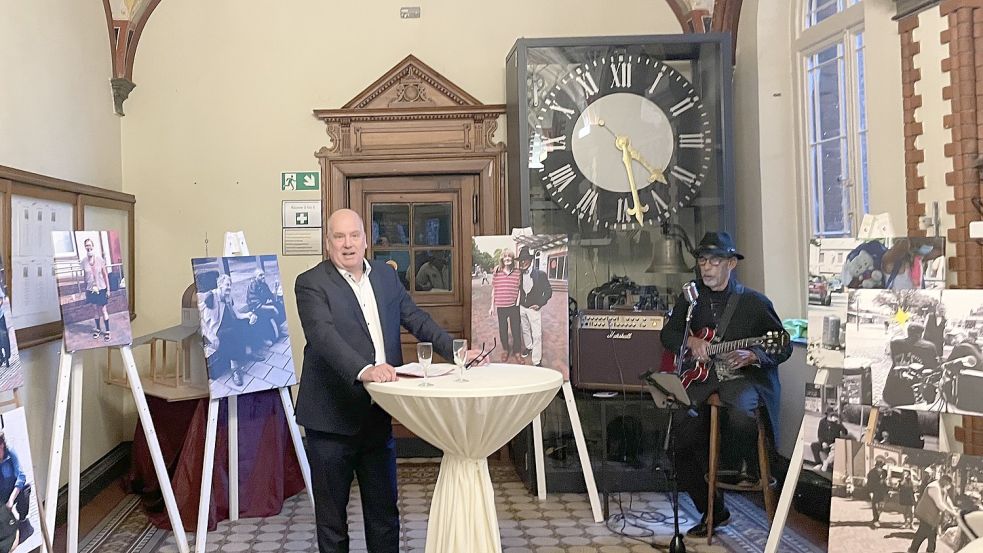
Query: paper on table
416	369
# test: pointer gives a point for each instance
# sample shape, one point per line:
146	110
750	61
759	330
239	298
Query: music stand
668	393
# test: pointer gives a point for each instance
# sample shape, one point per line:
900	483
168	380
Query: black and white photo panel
829	415
889	498
243	324
921	347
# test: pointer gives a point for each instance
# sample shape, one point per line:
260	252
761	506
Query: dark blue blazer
331	398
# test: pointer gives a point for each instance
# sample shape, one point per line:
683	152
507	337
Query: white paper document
416	369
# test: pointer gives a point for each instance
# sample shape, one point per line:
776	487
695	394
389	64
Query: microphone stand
677	545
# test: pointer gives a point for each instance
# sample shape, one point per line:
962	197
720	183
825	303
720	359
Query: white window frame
841	28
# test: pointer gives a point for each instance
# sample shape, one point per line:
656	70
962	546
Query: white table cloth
468	421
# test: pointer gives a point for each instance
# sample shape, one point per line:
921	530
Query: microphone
690	292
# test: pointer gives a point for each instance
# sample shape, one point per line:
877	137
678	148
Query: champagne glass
424	353
460	355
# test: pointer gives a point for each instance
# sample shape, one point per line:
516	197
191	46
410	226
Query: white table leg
153	444
585	464
462	514
208	465
233	458
65	365
539	457
74	458
305	466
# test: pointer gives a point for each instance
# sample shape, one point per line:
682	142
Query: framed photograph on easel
20	524
89	273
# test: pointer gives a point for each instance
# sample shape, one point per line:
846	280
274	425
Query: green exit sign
304	180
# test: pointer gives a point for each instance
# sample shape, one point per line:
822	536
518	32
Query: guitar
773	342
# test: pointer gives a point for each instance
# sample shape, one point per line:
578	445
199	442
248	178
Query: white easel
235	245
873	226
578	437
70	379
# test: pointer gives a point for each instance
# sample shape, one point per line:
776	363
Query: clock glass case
623	144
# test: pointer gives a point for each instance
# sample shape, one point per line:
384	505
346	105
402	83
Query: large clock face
622	141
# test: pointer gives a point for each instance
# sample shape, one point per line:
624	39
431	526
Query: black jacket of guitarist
754	316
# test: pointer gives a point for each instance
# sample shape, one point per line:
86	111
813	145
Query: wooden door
424	224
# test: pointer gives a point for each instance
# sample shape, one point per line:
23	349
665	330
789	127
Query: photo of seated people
11	374
828	417
243	324
20	526
92	289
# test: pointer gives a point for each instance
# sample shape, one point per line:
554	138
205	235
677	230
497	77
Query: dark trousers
817	448
875	506
23	502
739	434
925	531
508	318
335	459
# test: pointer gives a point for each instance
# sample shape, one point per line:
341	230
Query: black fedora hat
719	244
524	253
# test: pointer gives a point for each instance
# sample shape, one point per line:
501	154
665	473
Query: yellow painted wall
56	118
225	91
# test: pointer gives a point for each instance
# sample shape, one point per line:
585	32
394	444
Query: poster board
921	347
90	279
243	324
522	307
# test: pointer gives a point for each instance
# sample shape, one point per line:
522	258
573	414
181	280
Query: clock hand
636	209
654	174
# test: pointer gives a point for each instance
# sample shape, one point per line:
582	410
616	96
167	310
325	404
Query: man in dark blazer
535	292
351	310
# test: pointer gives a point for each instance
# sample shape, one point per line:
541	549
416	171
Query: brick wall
964	37
913	154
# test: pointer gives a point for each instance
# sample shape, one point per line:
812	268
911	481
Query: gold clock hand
654	174
636	209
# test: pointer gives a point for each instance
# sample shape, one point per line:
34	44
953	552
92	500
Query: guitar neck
733	345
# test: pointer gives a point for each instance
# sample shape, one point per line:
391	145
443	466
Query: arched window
830	46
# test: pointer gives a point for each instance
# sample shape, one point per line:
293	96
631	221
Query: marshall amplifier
612	349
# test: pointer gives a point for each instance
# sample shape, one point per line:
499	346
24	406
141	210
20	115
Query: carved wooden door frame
414	122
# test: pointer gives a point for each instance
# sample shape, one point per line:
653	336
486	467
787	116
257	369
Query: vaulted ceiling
127	18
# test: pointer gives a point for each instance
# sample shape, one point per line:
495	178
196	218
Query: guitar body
693	370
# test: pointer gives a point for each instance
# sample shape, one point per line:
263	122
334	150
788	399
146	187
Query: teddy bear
862	268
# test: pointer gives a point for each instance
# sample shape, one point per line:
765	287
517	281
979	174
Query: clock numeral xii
620	74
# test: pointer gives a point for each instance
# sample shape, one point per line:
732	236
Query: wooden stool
765	471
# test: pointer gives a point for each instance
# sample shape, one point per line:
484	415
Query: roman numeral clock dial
621	141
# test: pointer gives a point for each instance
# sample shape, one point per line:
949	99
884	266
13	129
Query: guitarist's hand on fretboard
698	348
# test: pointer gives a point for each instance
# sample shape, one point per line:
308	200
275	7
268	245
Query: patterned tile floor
276	370
561	524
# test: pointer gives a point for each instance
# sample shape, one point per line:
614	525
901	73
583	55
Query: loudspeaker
612	349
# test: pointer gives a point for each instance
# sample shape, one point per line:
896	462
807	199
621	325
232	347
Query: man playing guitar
745	378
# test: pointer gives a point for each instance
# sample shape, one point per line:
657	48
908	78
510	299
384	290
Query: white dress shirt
370	310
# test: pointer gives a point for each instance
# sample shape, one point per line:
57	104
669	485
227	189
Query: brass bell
667	257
